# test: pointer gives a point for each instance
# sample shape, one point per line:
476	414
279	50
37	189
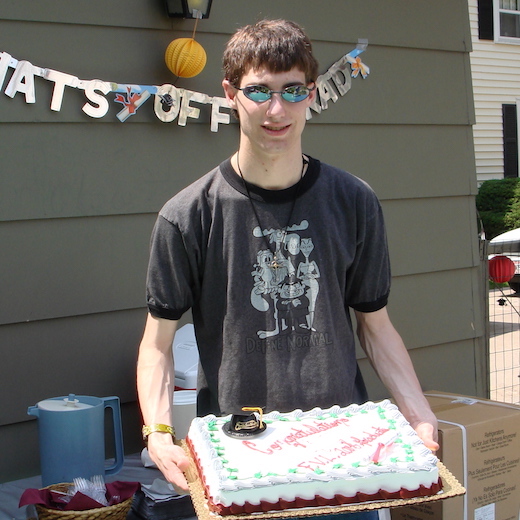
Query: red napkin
116	492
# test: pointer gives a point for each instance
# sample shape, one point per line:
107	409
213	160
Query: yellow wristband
163	428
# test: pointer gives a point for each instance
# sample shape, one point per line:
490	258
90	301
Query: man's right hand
170	459
155	382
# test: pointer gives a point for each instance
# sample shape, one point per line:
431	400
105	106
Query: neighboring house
495	66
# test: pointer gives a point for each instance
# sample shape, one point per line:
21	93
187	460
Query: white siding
495	69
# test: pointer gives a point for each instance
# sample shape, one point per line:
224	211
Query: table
10	492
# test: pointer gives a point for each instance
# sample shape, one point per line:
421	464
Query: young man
271	250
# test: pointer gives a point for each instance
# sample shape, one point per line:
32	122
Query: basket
114	512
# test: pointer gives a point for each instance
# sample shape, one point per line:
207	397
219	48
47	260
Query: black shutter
510	140
485	19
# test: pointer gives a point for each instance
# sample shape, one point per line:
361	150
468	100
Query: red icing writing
344	448
294	438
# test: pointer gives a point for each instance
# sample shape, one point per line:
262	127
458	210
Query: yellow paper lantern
185	57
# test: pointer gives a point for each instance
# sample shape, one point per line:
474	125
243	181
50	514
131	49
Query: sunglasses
292	94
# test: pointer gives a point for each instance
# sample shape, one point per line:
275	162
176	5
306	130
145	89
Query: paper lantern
501	269
185	57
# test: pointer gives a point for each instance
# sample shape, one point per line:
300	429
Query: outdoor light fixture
188	8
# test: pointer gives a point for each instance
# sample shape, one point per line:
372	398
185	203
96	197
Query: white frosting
339	451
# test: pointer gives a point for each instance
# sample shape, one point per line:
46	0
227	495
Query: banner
170	103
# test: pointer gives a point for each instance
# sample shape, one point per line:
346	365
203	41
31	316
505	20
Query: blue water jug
72	437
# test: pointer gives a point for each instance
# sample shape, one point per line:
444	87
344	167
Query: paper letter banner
170	103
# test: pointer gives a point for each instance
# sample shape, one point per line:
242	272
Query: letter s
102	103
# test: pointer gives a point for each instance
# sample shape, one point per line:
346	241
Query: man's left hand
428	434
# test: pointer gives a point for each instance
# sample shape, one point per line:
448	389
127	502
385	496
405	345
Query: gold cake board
451	488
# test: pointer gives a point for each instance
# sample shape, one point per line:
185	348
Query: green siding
79	195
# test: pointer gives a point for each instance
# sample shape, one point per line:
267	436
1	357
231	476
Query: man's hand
391	361
428	434
155	383
170	459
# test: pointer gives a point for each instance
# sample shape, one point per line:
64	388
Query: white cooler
186	358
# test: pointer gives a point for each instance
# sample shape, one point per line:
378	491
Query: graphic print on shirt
287	288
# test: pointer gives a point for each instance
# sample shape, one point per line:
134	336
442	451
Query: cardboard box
480	445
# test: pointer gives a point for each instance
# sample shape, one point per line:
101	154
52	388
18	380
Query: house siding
80	195
495	69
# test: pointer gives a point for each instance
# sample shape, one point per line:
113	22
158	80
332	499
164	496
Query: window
507	23
499	20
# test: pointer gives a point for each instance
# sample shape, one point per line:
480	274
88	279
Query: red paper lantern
501	269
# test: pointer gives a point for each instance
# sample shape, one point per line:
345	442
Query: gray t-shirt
280	338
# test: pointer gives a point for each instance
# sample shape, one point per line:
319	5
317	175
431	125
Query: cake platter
451	488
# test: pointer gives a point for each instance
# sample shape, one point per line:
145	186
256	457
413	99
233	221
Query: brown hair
278	45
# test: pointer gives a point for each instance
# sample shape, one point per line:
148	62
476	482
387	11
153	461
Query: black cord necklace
276	263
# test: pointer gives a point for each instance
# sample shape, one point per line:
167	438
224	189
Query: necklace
276	262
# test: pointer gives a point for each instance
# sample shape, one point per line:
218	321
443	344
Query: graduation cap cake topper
245	425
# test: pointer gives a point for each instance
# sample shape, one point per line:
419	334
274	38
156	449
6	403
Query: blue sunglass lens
260	94
295	94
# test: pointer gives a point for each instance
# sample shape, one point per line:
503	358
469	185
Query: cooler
186	358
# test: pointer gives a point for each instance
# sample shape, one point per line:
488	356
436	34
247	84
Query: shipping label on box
480	445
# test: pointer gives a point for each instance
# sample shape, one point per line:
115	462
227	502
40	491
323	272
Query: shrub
498	204
512	217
